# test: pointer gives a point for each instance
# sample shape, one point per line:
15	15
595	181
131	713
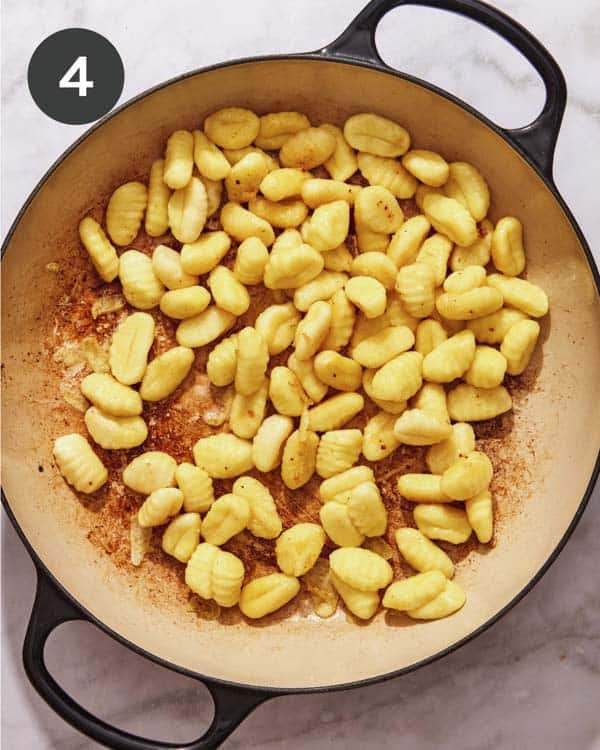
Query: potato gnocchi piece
480	515
472	187
376	135
184	303
415	591
460	443
466	279
312	330
431	398
299	547
367	294
451	218
285	214
209	159
115	433
430	334
166	373
244	178
420	427
111	396
466	403
338	450
476	254
360	568
343	316
342	163
405	243
338	526
369	241
250	261
305	372
223	455
267	594
125	212
427	166
292	267
277	325
400	378
205	253
286	392
240	223
277	127
102	254
508	253
252	361
248	412
335	411
159	506
214	191
166	264
376	350
264	519
379	439
340	485
468	476
227	516
179	159
131	342
268	443
222	362
525	296
181	536
317	192
435	252
284	183
197	487
322	592
150	471
228	293
442	521
388	173
299	458
451	359
141	287
328	226
376	265
366	509
390	407
322	287
214	574
157	217
422	488
188	211
449	601
232	127
377	209
475	303
337	371
487	369
78	463
421	553
362	604
491	329
518	345
415	284
308	148
205	327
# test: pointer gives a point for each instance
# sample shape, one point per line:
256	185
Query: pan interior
546	455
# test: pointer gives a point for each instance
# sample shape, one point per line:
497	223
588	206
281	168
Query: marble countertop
531	681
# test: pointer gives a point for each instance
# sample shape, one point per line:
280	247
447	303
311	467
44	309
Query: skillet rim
266	691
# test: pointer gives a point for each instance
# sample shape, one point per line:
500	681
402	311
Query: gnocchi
78	463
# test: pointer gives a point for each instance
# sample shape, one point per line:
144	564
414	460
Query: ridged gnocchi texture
341	323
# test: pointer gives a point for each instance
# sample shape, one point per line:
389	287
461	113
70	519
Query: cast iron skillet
536	143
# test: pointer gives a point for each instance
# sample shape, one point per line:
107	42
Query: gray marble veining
530	682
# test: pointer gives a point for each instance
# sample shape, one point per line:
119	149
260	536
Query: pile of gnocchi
390	288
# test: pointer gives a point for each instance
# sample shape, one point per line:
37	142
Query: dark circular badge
75	76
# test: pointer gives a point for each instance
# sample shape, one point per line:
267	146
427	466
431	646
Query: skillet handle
51	608
536	140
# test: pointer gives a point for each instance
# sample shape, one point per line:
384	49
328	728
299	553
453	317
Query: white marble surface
533	680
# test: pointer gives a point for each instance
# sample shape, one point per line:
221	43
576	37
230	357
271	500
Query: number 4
68	81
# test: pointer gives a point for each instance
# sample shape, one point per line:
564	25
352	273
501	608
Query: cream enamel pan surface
557	421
